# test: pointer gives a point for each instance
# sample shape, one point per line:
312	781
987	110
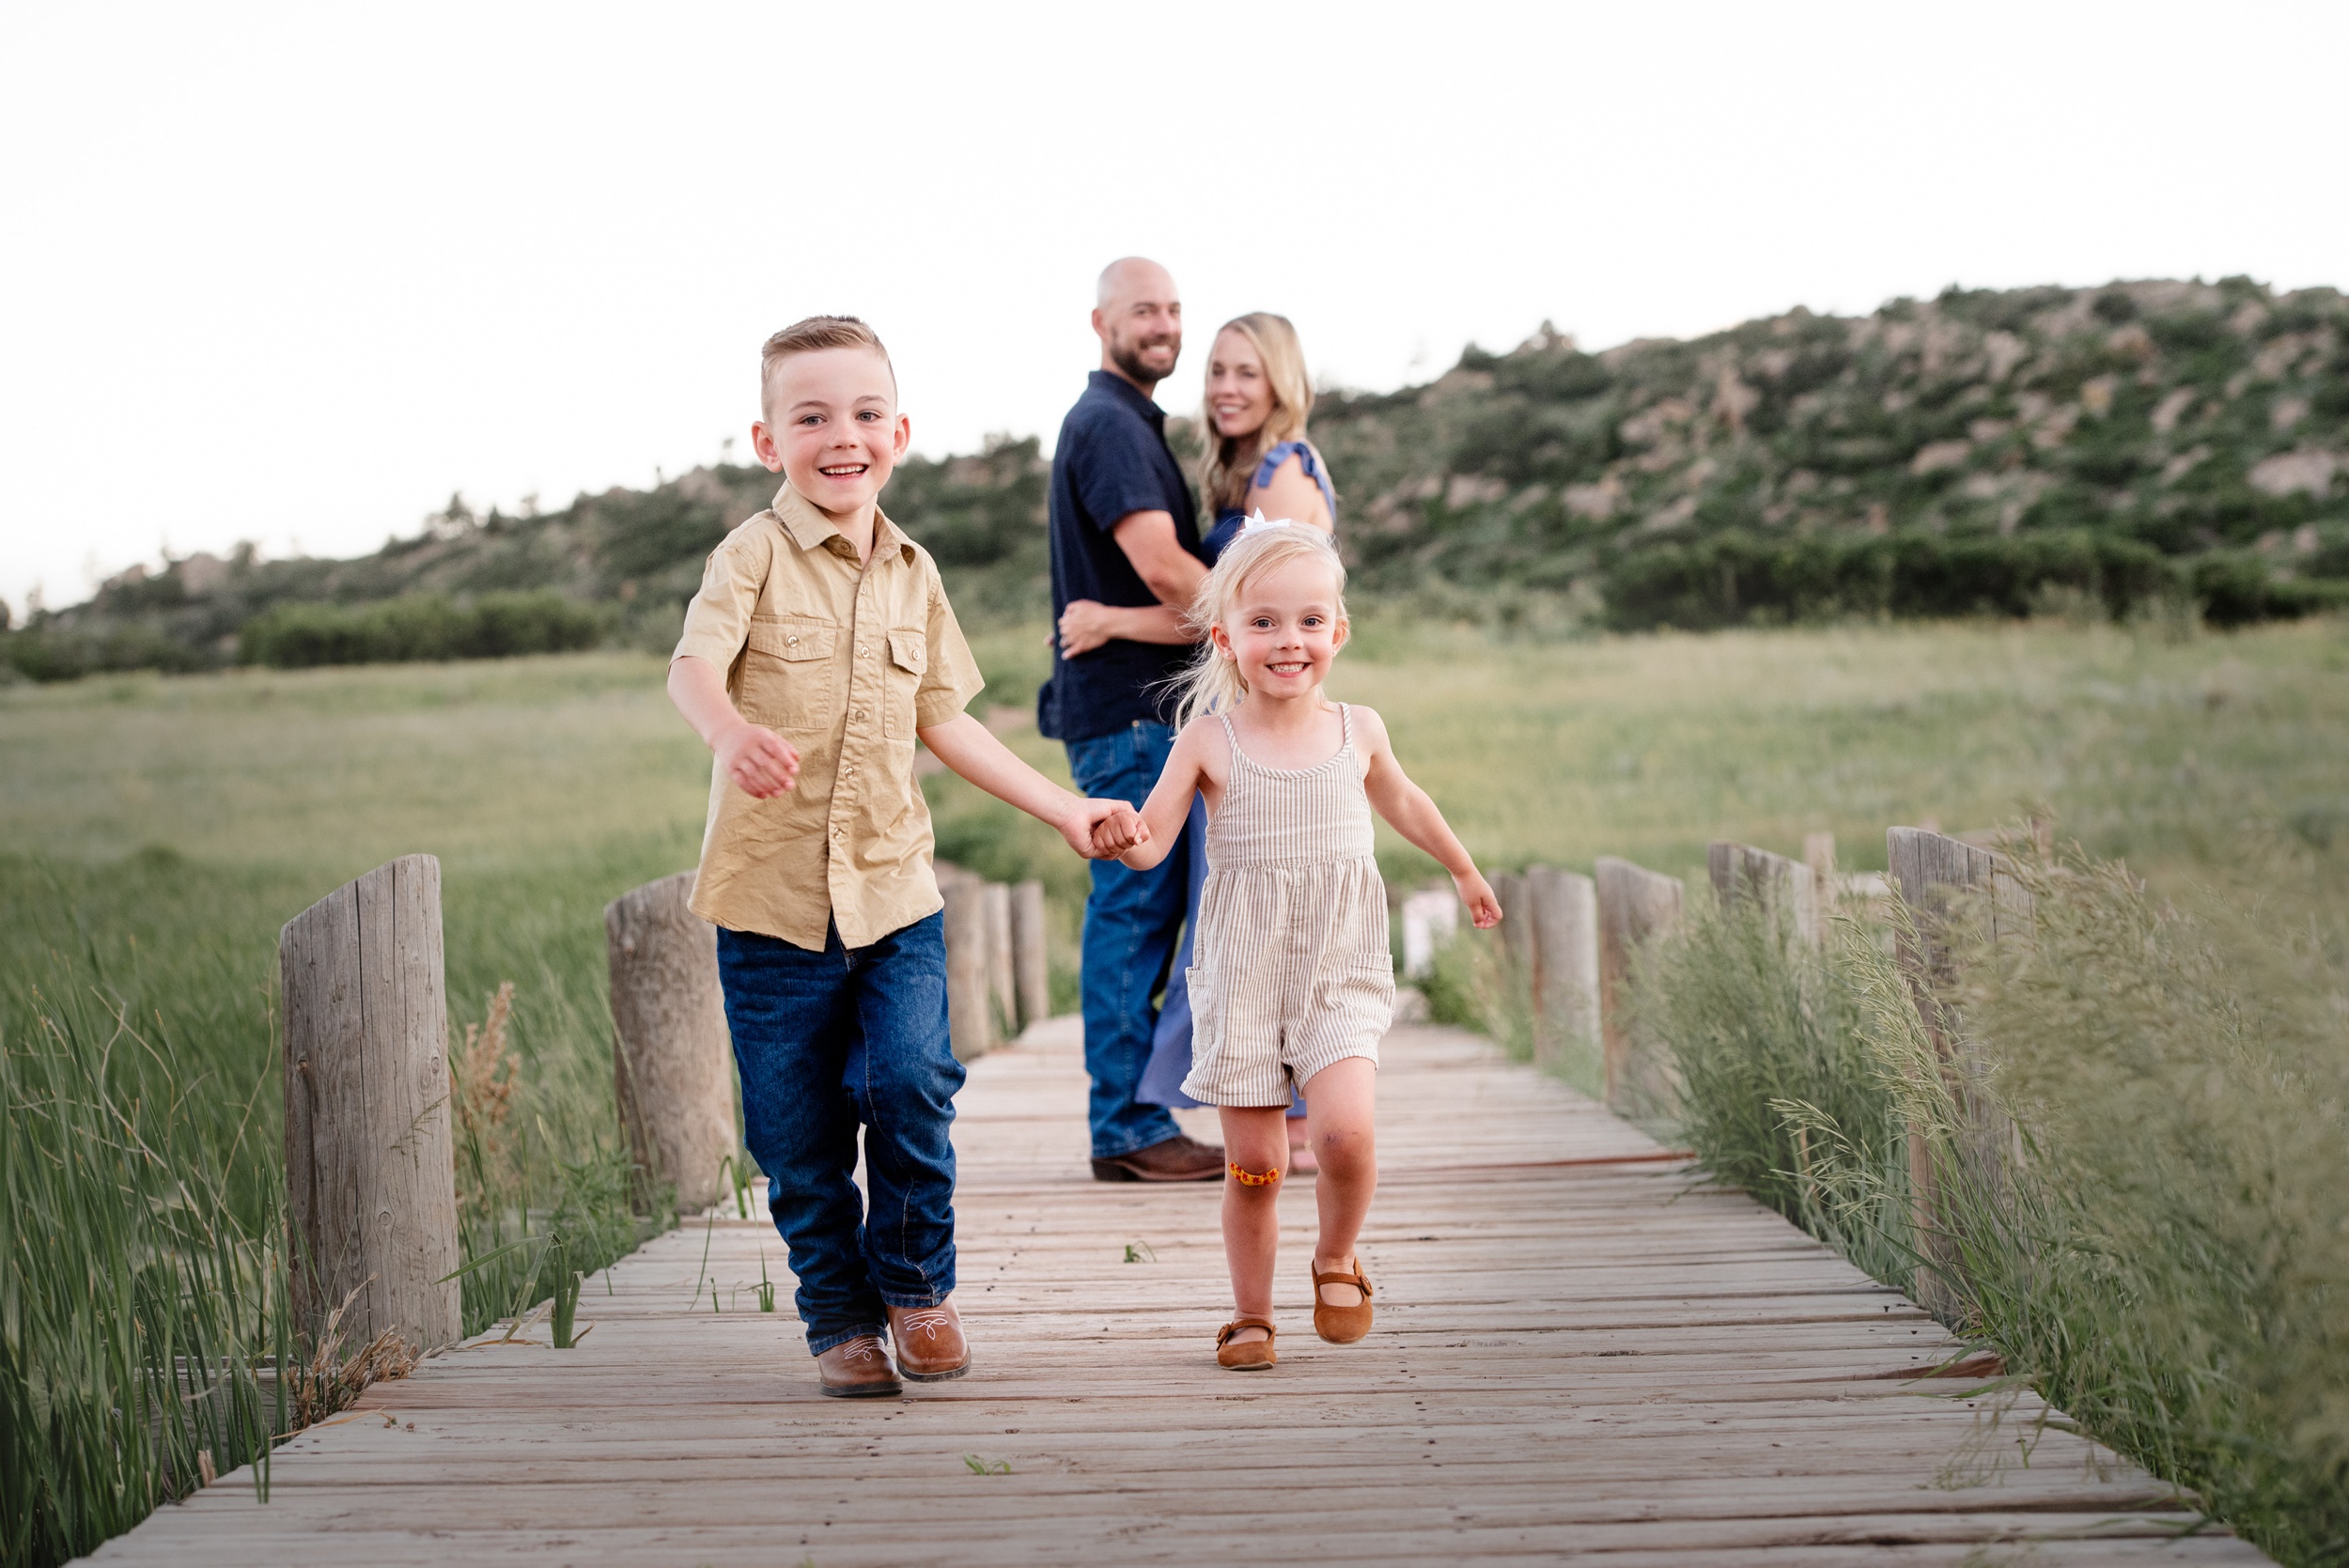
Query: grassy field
156	831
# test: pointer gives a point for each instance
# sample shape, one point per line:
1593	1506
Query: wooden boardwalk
1578	1351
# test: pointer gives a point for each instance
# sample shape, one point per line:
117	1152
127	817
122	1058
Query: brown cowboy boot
1179	1158
929	1342
858	1369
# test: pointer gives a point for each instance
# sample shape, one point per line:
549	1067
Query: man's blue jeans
1132	920
826	1042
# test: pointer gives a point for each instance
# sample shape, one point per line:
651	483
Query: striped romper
1292	969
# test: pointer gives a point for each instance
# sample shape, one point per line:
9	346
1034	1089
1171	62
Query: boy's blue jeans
826	1042
1132	920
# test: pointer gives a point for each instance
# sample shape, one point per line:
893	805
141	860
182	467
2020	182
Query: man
1124	534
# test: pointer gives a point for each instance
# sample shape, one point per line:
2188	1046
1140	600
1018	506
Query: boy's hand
1477	894
761	763
1092	825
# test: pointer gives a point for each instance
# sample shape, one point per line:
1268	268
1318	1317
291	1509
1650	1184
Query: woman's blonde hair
1214	684
1230	461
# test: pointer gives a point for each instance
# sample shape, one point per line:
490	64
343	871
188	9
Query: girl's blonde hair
1214	685
1230	461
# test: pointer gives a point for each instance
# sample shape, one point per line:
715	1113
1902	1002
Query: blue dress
1170	1046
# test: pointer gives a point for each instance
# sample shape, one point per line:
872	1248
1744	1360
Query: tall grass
143	1303
2160	1245
1751	1019
143	1311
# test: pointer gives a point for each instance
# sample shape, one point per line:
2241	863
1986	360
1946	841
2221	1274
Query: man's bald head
1131	274
1139	317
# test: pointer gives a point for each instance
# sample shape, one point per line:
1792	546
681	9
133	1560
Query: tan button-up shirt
844	661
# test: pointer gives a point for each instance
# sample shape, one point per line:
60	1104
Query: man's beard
1127	357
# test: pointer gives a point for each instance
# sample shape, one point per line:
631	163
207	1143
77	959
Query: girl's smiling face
1285	630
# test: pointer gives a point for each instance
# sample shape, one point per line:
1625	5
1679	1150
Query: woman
1257	459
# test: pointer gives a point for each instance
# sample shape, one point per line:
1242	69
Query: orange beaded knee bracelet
1253	1178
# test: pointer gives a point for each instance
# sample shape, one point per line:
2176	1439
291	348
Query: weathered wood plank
1031	962
1609	1356
1635	907
370	1163
1564	909
671	1059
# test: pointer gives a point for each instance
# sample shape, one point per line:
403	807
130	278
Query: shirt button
860	716
862	653
792	642
840	833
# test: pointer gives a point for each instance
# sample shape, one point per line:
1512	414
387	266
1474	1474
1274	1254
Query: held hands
1103	830
760	762
1477	894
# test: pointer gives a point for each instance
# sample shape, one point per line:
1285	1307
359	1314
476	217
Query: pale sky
295	275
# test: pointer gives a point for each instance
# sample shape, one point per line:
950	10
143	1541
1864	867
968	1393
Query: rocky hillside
2108	449
1938	452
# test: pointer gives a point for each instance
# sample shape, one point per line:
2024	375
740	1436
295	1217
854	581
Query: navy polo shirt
1111	461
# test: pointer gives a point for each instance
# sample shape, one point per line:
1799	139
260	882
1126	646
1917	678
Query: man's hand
1102	829
1084	625
761	763
1482	907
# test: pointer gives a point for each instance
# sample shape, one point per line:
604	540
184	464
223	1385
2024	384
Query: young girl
1293	982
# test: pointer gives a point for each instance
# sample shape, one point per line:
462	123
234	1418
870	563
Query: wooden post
1566	961
1818	853
1931	872
1516	919
1030	965
1002	985
1635	907
1431	918
370	1162
671	1059
1782	887
970	1009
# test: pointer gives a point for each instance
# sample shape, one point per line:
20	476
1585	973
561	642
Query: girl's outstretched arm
1404	805
1163	814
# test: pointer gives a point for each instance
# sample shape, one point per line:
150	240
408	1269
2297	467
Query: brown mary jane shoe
1254	1356
1342	1325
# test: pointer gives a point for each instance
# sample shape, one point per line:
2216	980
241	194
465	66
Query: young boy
820	646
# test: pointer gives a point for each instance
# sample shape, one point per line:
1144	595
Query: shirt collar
809	528
1118	386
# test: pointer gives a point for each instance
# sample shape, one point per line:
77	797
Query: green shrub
48	651
420	627
1736	577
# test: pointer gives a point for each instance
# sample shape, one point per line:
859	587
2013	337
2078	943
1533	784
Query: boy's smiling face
832	428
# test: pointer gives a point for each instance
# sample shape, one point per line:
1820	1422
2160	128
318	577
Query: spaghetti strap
1346	727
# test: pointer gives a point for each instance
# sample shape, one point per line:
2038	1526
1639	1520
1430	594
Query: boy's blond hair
814	332
1214	684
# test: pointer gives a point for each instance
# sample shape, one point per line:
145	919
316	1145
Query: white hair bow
1258	522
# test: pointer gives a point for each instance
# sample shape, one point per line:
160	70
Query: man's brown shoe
858	1369
929	1342
1179	1158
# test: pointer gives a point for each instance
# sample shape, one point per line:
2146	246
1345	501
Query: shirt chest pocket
909	657
790	673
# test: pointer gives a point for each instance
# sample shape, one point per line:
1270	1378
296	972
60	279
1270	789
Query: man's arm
1166	567
760	762
971	749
